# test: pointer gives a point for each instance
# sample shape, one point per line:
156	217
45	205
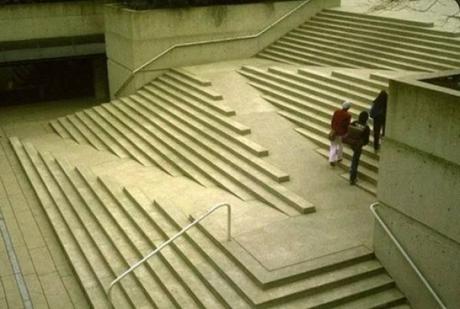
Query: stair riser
308	118
188	96
367	82
203	110
371	46
386	30
398	25
357	87
363	99
269	55
192	78
198	140
293	85
424	24
367	58
327	54
384	35
234	150
198	89
280	301
306	59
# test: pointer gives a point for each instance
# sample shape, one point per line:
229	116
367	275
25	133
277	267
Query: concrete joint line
26	300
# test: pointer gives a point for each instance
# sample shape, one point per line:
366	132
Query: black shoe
332	164
352	182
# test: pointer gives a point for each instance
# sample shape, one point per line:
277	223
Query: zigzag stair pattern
181	126
105	227
345	39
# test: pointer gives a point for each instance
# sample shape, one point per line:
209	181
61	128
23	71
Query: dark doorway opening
38	81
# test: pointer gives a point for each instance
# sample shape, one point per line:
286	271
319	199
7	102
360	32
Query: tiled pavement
46	271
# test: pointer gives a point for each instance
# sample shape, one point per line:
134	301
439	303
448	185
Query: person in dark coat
378	113
357	149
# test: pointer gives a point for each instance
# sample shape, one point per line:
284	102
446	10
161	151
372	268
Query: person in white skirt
339	125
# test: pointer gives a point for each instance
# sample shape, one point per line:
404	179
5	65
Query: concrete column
100	79
419	188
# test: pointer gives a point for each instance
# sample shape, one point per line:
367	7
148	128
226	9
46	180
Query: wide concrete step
205	124
197	80
334	297
305	58
330	79
225	175
450	46
191	95
370	17
384	299
85	131
340	275
91	263
352	23
422	47
245	162
83	261
71	130
394	50
135	219
155	145
359	79
189	85
281	57
275	278
328	56
202	109
326	85
364	57
59	129
192	266
289	84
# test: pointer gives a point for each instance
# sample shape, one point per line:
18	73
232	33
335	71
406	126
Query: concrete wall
419	186
49	30
135	37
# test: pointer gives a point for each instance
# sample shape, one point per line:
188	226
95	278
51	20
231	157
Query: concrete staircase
105	227
180	125
346	39
308	98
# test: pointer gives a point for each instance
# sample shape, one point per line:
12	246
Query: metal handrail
244	37
185	229
406	256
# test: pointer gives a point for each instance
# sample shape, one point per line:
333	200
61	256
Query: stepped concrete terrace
103	208
88	190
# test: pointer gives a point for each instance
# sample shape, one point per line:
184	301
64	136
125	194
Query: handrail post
406	255
170	240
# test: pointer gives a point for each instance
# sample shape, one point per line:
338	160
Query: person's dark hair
363	117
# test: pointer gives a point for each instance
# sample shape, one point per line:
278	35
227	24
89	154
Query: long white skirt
336	150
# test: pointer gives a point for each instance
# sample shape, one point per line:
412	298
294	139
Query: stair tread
215	167
258	168
256	294
150	93
337	295
376	300
195	78
221	119
362	80
376	54
393	49
205	91
57	127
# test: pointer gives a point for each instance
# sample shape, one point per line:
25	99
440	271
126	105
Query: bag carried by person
354	136
331	135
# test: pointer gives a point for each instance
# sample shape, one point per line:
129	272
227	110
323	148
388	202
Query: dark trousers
379	126
354	164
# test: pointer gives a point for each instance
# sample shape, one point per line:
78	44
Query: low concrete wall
419	186
50	20
50	30
135	37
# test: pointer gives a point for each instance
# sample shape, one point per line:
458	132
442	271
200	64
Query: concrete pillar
419	188
100	79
